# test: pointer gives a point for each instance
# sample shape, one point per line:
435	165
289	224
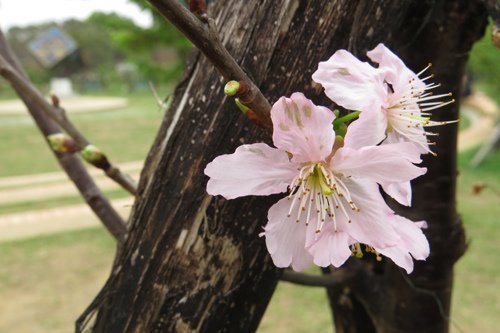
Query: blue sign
52	46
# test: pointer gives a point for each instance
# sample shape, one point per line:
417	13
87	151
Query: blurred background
101	57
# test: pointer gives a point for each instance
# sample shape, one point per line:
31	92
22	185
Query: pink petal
382	164
255	169
401	192
331	248
353	84
420	141
285	239
302	128
413	241
412	237
395	71
370	224
368	130
399	256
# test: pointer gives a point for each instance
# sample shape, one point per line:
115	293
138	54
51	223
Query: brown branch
310	280
24	87
204	37
70	163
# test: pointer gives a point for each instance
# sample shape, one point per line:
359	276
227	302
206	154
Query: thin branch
310	280
202	33
24	87
70	163
332	278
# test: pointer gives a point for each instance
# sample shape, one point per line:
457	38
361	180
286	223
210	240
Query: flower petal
386	163
413	241
395	71
399	256
401	192
353	84
368	225
255	169
285	239
302	128
412	237
368	130
331	247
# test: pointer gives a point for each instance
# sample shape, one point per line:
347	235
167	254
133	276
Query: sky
28	12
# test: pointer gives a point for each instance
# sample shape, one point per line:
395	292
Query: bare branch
70	163
331	276
24	87
204	37
310	280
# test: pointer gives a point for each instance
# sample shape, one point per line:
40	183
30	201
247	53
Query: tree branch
310	280
204	36
70	163
24	88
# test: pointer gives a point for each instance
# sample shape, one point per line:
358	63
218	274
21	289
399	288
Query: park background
54	255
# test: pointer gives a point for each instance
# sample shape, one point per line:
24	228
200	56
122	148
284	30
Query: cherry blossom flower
333	202
395	102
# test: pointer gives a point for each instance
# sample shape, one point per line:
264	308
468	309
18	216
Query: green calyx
241	106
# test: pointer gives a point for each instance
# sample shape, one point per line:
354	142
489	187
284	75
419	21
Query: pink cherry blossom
333	199
395	102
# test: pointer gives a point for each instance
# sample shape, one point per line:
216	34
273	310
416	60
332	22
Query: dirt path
37	188
482	113
73	104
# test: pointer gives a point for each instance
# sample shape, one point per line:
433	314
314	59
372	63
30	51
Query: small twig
310	280
163	104
202	33
70	163
58	114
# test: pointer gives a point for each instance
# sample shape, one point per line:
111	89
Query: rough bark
195	263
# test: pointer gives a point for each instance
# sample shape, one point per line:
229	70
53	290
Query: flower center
408	109
320	195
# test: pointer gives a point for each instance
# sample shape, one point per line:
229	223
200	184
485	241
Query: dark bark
195	263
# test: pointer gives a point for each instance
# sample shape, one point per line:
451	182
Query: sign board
52	46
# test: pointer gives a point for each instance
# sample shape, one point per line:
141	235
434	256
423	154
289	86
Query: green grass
123	134
46	282
476	299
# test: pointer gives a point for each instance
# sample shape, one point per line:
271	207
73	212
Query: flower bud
61	143
232	88
92	154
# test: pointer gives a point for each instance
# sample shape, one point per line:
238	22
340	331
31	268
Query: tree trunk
195	263
442	33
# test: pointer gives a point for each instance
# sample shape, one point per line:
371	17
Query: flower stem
346	118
